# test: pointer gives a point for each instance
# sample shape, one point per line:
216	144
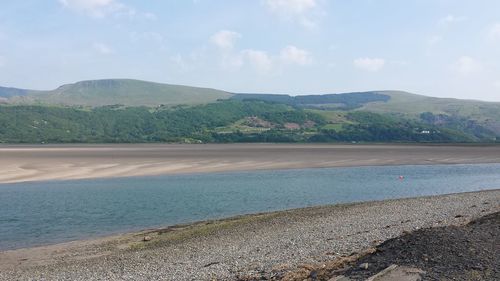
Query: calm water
49	212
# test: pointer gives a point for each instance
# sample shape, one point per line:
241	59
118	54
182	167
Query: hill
119	91
222	121
7	92
394	102
478	118
343	101
214	122
123	110
412	104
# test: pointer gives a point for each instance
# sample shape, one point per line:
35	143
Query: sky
442	48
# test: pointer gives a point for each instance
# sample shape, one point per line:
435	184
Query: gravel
470	252
260	245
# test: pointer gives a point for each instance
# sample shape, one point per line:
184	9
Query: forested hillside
224	121
125	110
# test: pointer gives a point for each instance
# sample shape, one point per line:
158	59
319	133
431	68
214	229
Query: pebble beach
262	245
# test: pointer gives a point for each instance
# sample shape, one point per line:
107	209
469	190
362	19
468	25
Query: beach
246	247
266	246
22	163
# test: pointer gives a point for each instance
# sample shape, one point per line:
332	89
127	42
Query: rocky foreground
312	244
470	252
466	252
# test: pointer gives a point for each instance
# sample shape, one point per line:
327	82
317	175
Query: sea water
40	213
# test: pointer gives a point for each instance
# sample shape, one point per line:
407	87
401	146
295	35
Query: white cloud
232	61
494	32
369	64
95	8
466	65
260	60
87	4
298	10
225	39
399	63
307	23
103	8
2	61
450	19
102	48
230	58
147	36
293	55
150	16
434	40
292	7
180	63
432	43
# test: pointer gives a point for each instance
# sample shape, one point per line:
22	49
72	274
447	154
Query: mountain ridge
128	92
8	92
479	119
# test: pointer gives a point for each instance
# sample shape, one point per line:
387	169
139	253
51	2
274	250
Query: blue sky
444	48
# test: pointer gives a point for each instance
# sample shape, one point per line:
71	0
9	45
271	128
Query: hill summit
116	91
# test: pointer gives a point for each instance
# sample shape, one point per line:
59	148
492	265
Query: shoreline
29	163
236	218
442	209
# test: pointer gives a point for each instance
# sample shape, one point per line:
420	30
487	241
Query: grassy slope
486	114
128	92
412	104
124	91
481	119
7	92
335	119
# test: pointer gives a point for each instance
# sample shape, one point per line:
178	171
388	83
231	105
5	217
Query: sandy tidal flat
61	162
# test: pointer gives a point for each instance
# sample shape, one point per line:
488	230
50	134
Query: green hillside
440	111
344	101
412	104
122	91
122	110
201	123
222	121
477	118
